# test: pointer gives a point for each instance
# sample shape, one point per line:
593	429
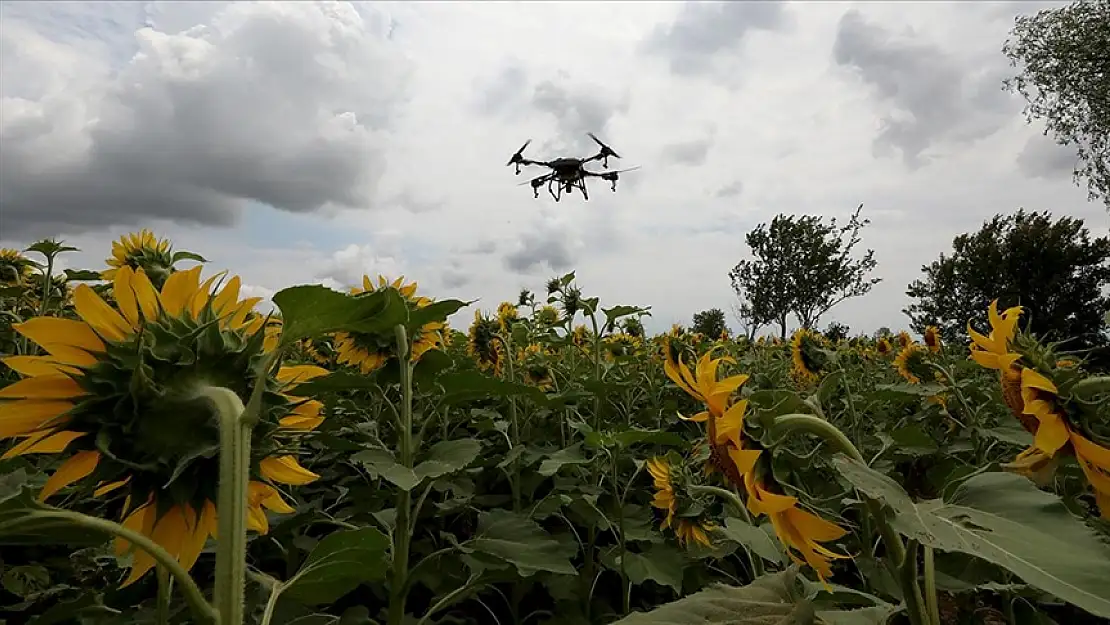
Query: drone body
568	174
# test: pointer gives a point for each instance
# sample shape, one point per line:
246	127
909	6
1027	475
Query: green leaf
1006	520
313	310
874	615
661	564
517	540
767	600
616	312
627	438
913	441
436	312
380	462
1010	431
183	255
340	563
82	275
460	386
23	526
570	456
447	457
758	539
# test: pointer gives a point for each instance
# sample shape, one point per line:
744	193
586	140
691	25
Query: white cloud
413	109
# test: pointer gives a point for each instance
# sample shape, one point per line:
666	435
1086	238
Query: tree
745	318
802	266
1054	269
836	331
710	323
1065	80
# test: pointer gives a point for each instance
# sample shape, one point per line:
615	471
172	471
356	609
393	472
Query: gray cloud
691	152
733	189
932	96
577	109
415	202
286	104
1044	158
550	247
455	276
499	95
703	30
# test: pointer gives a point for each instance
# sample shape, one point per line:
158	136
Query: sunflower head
120	394
507	315
141	250
932	338
620	345
685	516
581	336
15	268
483	343
911	363
633	327
535	365
883	347
547	316
572	301
369	352
903	339
553	286
807	355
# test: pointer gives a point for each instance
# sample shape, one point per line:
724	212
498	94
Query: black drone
568	174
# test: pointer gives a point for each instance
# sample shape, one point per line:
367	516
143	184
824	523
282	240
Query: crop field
172	455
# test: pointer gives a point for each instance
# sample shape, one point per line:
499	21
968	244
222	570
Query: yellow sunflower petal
36	365
57	386
125	297
104	319
146	295
79	466
300	373
24	417
104	489
286	470
178	290
43	443
196	535
53	330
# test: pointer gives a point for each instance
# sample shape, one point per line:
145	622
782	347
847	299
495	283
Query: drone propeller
606	151
519	154
612	175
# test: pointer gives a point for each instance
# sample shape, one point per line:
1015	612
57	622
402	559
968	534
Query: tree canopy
803	266
1064	60
1055	269
710	322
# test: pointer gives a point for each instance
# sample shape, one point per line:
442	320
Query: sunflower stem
165	591
932	608
753	559
896	550
203	612
231	545
398	585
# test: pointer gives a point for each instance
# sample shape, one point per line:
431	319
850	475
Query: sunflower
141	250
117	394
798	530
507	315
805	353
904	339
685	529
548	316
534	365
724	420
581	336
15	268
883	347
484	345
932	338
620	344
369	352
910	362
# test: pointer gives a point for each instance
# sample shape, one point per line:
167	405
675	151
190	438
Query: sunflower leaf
337	565
1006	520
461	386
768	599
570	456
313	310
82	275
758	539
380	462
436	312
447	457
661	564
515	539
183	255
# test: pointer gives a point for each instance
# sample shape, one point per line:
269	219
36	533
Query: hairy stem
235	465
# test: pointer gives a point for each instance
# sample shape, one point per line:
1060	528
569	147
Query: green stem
915	605
202	610
165	591
626	584
398	587
896	550
753	559
235	464
514	424
932	608
447	600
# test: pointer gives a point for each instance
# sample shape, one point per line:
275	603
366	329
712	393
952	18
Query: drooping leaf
380	462
312	310
183	255
758	539
564	457
23	521
767	600
82	275
447	457
517	540
1006	520
661	564
460	386
338	564
435	312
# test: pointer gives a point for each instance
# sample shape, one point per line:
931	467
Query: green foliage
1055	269
801	266
1062	58
710	323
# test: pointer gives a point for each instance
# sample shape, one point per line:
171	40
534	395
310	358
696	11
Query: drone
568	174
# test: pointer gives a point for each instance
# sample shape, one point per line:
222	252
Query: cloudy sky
299	142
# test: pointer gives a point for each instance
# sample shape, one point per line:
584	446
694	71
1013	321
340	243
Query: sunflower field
172	455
